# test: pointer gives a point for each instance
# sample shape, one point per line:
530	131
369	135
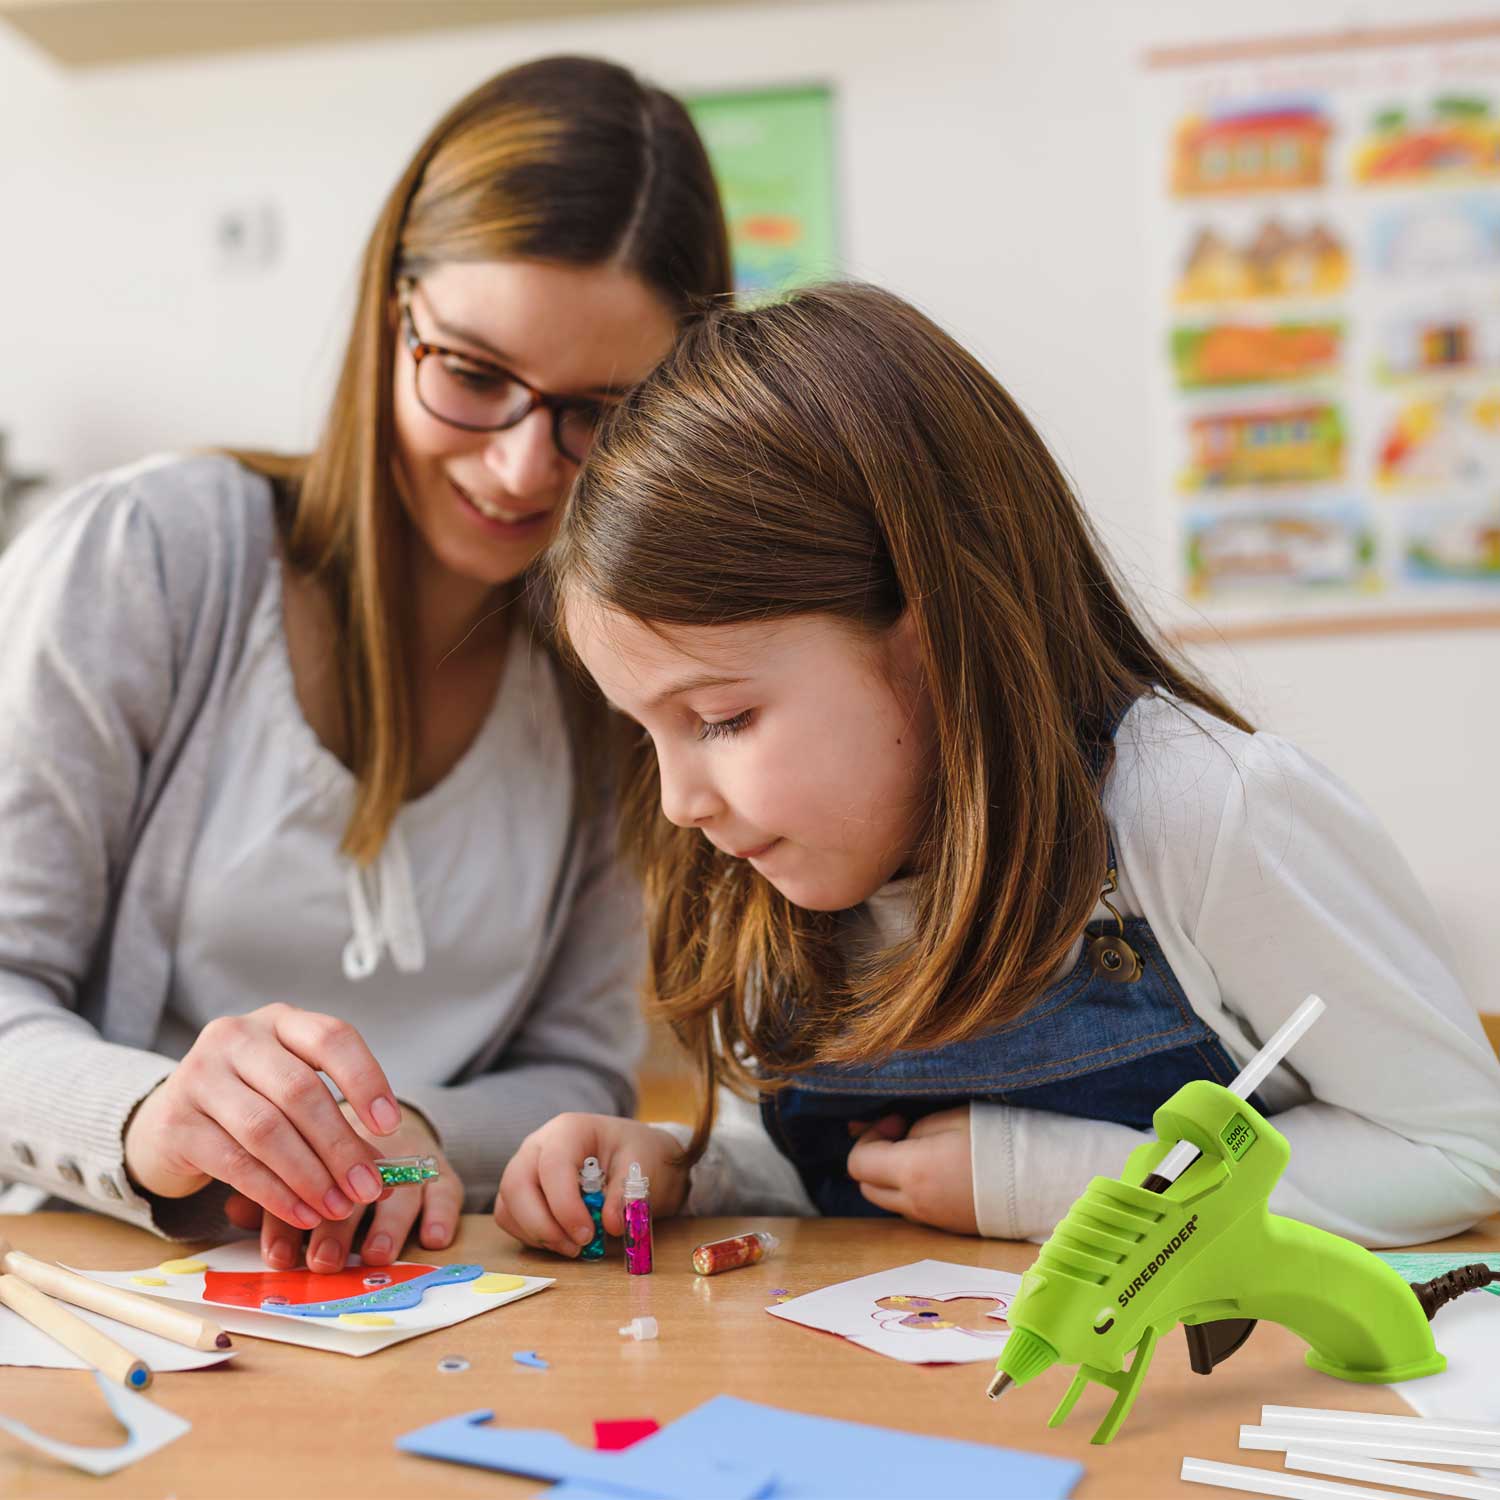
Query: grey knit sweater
123	612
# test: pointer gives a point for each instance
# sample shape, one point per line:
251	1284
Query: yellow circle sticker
493	1282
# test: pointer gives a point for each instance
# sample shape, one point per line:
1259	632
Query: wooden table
282	1422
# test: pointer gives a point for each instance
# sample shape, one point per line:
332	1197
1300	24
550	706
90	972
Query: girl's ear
904	649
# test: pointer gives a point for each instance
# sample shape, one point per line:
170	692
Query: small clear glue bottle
591	1185
637	1222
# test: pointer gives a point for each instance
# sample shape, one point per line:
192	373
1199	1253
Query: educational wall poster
1325	244
773	155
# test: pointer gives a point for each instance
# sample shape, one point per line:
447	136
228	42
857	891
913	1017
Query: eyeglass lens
483	398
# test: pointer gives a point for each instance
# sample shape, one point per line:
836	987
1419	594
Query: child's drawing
298	1294
957	1317
357	1310
974	1313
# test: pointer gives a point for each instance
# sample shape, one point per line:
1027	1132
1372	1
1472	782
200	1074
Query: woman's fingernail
364	1184
307	1216
434	1236
583	1236
280	1254
387	1115
327	1256
338	1206
378	1244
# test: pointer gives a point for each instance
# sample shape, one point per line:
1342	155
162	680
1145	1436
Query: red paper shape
251	1288
610	1437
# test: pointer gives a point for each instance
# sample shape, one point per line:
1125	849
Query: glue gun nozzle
998	1385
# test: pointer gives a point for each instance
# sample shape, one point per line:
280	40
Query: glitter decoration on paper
980	1315
387	1298
254	1289
377	1278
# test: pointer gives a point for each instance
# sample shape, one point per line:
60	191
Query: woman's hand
246	1107
437	1203
539	1201
925	1175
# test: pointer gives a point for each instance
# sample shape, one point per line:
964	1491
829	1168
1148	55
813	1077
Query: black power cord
1451	1285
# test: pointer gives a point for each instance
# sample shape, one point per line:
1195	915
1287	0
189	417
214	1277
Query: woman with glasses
288	784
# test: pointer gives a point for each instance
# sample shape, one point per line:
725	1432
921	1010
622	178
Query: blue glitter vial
591	1185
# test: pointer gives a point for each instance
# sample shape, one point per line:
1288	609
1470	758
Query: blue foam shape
396	1298
812	1458
626	1475
530	1358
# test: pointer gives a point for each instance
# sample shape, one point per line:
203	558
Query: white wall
992	172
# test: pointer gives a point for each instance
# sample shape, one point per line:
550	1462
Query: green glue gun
1127	1264
1196	1244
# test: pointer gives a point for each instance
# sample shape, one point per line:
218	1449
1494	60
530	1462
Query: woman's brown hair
839	454
567	159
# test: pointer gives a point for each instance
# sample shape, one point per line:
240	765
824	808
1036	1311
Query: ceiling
105	33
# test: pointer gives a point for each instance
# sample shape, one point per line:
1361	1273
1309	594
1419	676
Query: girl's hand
438	1203
926	1177
246	1107
539	1201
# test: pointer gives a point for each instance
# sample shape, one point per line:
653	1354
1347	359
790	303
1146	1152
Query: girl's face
484	504
802	745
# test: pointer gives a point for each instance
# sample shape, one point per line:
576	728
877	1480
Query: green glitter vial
395	1170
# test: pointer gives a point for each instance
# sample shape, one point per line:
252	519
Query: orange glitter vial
728	1255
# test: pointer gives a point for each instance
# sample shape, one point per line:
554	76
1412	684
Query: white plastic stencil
150	1427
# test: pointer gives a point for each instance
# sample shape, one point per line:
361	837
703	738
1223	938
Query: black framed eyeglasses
480	396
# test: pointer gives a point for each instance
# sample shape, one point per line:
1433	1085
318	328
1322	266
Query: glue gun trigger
1210	1344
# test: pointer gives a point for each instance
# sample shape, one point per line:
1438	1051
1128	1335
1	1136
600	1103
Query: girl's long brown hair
839	454
568	159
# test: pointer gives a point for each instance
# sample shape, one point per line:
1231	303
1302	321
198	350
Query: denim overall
1112	1040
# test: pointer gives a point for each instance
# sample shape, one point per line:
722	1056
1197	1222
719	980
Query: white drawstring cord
383	910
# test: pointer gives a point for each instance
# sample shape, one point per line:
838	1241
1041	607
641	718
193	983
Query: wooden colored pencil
145	1313
80	1338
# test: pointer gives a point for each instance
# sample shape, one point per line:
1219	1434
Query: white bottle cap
636	1184
640	1328
591	1177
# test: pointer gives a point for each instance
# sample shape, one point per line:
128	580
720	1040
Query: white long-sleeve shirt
1263	880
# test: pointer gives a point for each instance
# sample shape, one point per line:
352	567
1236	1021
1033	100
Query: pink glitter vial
637	1222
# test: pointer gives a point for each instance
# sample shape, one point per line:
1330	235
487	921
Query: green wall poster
772	152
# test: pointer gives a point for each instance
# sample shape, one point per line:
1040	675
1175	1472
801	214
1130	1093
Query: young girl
286	784
947	858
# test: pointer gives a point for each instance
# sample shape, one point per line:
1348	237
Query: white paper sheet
922	1329
1468	1334
441	1307
21	1344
